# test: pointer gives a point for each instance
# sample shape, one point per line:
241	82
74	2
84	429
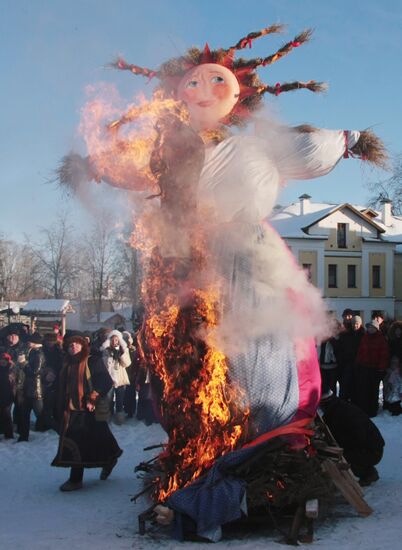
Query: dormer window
341	235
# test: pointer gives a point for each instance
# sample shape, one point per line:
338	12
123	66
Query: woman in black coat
7	394
85	438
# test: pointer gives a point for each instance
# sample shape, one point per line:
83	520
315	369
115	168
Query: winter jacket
351	426
395	342
7	384
117	360
348	346
392	386
14	351
33	386
132	370
85	441
373	352
326	355
53	365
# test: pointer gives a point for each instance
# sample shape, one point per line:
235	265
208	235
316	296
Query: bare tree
8	264
99	260
19	272
127	274
391	188
57	258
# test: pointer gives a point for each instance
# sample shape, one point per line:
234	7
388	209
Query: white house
350	252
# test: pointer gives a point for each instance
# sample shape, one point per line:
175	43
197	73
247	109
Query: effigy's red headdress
251	88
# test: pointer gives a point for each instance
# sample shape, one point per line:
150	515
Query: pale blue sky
50	50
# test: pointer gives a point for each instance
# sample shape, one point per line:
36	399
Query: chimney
304	204
386	212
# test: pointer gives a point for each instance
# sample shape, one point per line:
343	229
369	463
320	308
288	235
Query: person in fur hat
7	393
116	357
85	437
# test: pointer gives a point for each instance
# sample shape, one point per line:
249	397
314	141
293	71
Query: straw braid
311	85
247	40
135	69
285	50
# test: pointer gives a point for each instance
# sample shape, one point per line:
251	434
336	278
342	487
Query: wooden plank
295	527
352	480
345	484
346	468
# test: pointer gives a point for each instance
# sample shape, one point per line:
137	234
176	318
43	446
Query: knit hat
357	319
34	338
347	311
374	324
79	340
12	329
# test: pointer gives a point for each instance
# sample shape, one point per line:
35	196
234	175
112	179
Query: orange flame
199	406
123	160
202	412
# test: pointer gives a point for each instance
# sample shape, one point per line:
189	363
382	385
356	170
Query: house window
341	235
376	276
332	276
307	268
351	276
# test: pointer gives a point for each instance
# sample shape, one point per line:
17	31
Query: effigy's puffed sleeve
313	153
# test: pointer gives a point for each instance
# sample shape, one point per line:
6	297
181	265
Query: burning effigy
230	319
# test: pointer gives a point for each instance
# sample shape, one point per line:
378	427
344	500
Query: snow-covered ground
35	515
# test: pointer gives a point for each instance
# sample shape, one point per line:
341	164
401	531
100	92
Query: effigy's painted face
210	92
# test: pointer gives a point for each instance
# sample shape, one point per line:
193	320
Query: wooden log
295	527
148	515
346	484
343	464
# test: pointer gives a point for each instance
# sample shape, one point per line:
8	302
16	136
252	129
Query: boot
107	470
119	418
70	486
369	478
395	408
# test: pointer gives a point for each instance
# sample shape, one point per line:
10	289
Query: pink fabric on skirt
309	377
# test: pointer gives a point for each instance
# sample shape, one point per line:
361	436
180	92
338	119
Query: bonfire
230	320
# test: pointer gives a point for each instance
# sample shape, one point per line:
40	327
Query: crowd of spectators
30	367
38	373
357	359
